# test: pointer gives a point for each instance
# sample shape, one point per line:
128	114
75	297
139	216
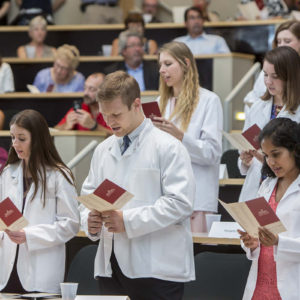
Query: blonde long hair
188	97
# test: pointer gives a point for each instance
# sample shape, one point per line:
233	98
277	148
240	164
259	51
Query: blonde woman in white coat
275	269
193	115
282	76
41	186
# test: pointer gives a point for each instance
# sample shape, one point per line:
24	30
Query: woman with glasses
62	77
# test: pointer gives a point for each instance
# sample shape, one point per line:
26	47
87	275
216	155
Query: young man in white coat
145	249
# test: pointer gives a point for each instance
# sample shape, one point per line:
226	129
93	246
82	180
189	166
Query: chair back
218	276
82	271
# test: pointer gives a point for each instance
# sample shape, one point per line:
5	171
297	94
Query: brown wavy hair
286	63
188	97
292	26
43	153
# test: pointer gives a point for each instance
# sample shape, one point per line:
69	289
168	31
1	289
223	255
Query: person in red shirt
88	116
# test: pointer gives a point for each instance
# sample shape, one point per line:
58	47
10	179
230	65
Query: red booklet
151	109
10	217
109	191
254	213
107	196
252	134
262	211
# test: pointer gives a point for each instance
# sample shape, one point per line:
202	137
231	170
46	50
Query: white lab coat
157	243
41	260
256	93
203	141
259	114
6	79
287	253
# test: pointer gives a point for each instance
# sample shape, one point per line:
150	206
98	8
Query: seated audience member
269	8
207	15
101	12
62	77
4	8
287	34
36	48
144	72
135	22
88	116
39	183
197	40
32	8
149	10
6	78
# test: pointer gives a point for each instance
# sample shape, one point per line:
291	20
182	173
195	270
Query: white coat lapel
17	181
293	188
267	112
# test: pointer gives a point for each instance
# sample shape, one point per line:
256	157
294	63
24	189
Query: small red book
11	218
251	135
262	211
151	109
109	191
107	196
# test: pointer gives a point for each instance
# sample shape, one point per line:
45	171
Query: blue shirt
138	75
43	81
205	44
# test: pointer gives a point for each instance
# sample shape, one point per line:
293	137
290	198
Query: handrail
227	102
79	156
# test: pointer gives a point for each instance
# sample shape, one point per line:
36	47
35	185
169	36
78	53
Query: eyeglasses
59	66
192	18
134	46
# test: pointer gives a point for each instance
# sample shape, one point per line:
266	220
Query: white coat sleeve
288	249
207	148
248	122
258	90
176	203
251	255
66	224
92	181
8	77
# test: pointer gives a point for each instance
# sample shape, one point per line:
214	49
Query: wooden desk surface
148	26
26	95
198	238
98	58
55	132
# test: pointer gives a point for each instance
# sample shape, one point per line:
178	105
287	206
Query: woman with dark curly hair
275	270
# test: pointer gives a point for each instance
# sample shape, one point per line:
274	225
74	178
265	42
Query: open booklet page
108	196
253	214
248	140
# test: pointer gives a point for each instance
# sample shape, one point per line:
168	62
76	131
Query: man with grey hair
131	47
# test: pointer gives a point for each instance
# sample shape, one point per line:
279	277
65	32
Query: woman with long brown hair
42	187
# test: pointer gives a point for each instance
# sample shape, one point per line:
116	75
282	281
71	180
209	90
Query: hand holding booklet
108	196
248	140
253	214
10	217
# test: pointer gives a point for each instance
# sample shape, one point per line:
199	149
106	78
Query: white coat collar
270	185
115	147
